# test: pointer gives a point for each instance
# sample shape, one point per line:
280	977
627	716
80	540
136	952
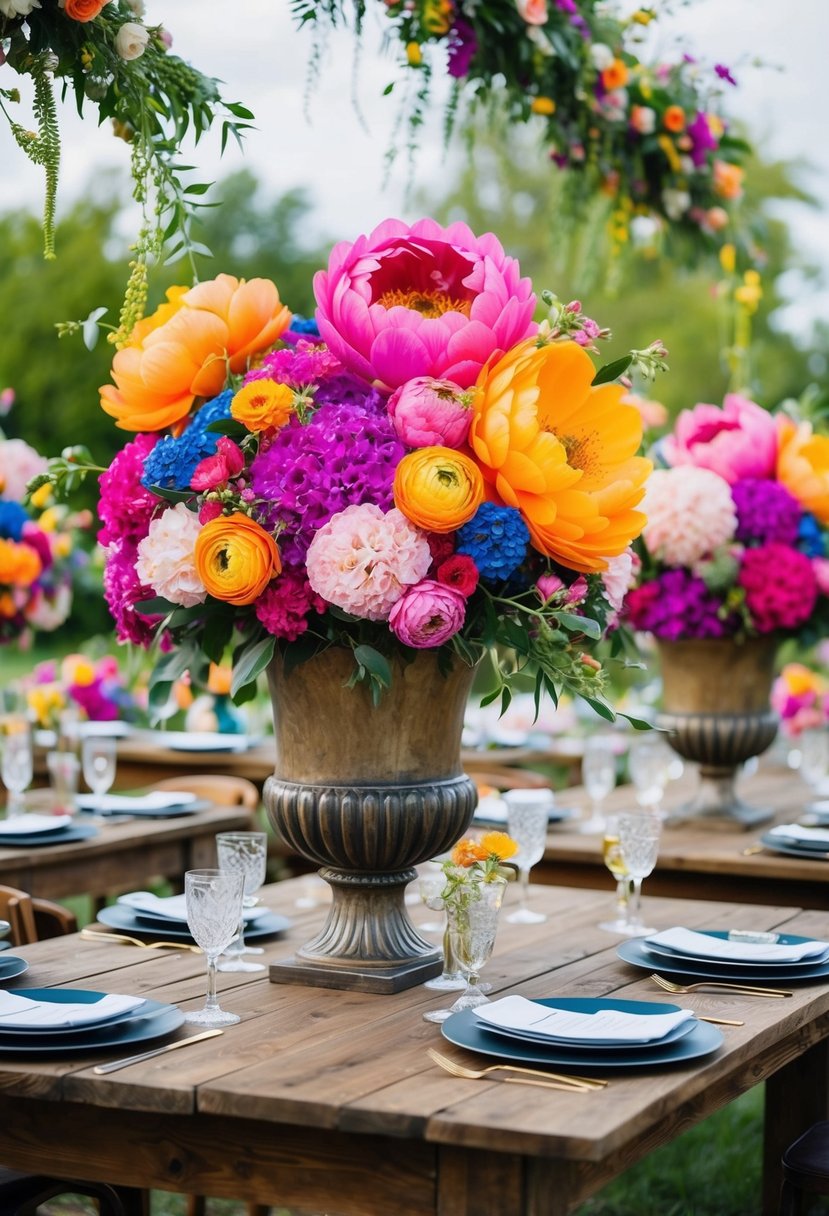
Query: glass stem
471	981
14	805
450	962
636	900
622	896
211	1000
524	880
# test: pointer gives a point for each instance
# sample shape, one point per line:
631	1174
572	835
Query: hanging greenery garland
649	136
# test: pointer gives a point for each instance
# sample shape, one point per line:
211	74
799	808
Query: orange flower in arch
803	466
561	451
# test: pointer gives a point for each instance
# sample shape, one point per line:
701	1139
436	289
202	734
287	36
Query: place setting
32	830
152	804
737	960
76	1021
799	840
200	741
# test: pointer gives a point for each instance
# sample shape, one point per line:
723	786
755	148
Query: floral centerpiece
473	863
423	467
96	688
104	54
737	538
38	555
651	137
800	695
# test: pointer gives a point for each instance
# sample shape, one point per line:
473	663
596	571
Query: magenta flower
785	601
216	470
737	441
703	140
427	615
421	301
428	413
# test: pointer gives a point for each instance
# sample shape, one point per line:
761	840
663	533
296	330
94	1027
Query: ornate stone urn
367	793
715	708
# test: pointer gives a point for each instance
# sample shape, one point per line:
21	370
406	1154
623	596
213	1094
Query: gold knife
114	1065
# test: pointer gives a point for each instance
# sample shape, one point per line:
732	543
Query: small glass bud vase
472	928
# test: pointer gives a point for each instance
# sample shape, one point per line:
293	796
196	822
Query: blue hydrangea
12	519
811	538
172	461
306	326
496	538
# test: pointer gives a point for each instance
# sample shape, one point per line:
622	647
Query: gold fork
91	935
744	989
552	1080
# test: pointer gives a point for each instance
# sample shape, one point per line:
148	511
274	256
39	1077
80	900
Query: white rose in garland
131	40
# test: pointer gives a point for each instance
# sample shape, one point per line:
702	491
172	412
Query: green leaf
253	660
612	371
157	606
579	624
374	662
299	652
218	631
388	89
506	697
173	495
603	710
636	723
227	426
246	693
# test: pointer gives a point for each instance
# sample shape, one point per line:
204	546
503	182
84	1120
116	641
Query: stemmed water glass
244	853
648	765
214	907
528	814
598	774
615	862
814	757
472	929
639	847
98	755
16	764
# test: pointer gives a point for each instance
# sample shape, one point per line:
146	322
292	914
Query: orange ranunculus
187	348
236	558
560	451
616	76
262	405
219	679
467	852
674	119
498	844
20	565
438	489
83	10
803	466
728	180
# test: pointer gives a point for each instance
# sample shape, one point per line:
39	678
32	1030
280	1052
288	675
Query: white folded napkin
25	825
171	907
795	831
201	741
23	1014
606	1026
154	800
491	808
702	945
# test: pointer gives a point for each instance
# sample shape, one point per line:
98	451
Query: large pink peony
421	301
690	513
737	441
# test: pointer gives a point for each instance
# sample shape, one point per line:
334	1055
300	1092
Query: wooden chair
22	1194
805	1169
215	787
33	920
504	778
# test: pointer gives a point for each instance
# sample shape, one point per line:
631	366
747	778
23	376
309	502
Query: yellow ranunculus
263	405
543	105
438	489
236	558
561	451
76	669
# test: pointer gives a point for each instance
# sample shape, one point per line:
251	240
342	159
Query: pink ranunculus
211	509
430	413
820	566
421	300
548	585
228	461
427	615
737	441
577	591
534	12
165	557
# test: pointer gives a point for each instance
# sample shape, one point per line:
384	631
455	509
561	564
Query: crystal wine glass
615	862
98	755
244	853
472	929
648	765
814	757
450	979
528	814
16	764
639	847
598	774
214	907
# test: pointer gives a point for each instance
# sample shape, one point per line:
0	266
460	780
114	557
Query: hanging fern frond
49	147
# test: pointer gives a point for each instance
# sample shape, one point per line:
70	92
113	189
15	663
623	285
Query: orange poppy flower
803	466
467	852
561	451
498	844
616	76
185	350
674	119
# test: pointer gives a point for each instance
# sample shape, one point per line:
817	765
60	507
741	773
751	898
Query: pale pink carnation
19	463
690	513
427	615
165	557
430	413
619	577
363	560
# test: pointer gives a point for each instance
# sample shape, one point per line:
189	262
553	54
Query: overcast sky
253	47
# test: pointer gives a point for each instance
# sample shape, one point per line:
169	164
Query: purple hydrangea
678	605
766	511
345	454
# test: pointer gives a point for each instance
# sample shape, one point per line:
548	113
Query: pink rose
737	441
547	586
459	571
534	12
427	615
430	413
215	470
211	509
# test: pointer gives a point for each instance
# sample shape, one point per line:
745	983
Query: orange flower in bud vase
236	558
187	349
561	451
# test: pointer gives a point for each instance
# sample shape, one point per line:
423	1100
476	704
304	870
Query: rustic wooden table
700	860
326	1101
125	855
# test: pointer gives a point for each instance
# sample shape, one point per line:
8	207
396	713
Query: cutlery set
92	935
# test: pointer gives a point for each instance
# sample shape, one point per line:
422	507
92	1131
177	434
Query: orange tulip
236	558
187	348
438	489
803	466
560	451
